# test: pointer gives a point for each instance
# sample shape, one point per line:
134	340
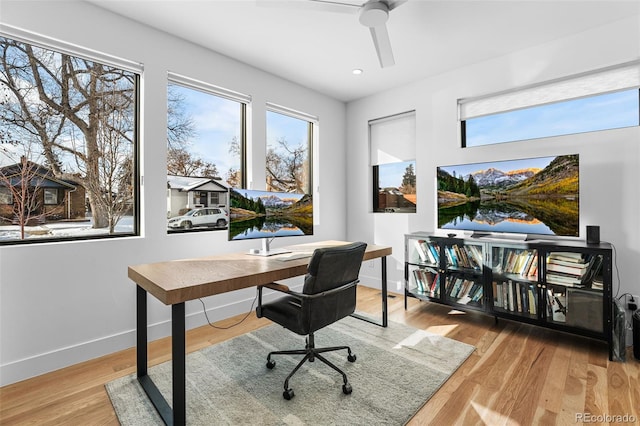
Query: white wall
64	303
609	160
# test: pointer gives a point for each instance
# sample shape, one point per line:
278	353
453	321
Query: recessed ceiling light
357	71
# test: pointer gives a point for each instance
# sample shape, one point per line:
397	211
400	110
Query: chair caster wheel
351	357
271	364
288	394
346	389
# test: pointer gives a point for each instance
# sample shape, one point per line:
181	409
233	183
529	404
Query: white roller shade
612	79
210	88
292	113
393	139
69	48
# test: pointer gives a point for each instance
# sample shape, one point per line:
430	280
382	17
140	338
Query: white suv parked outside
207	216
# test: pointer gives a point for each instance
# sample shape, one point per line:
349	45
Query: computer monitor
266	215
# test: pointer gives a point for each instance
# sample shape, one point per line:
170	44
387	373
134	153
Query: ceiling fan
373	14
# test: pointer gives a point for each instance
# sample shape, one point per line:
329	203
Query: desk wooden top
177	281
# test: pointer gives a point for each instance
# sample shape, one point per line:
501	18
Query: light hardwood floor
518	375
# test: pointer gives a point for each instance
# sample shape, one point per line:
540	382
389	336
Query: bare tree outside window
80	116
288	153
203	134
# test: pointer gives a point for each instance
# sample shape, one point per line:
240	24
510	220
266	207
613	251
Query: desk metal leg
141	331
385	321
177	416
178	350
384	291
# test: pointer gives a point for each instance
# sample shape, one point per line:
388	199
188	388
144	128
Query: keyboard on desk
293	256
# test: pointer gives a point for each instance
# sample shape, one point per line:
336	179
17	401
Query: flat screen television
266	215
532	196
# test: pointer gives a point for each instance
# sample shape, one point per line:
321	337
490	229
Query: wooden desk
175	282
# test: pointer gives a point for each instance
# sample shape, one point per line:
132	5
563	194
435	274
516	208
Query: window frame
136	69
593	85
228	94
244	102
402	150
312	125
52	192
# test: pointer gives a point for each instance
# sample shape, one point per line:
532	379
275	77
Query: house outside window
60	117
205	146
392	157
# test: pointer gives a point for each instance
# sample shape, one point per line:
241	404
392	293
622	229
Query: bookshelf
564	285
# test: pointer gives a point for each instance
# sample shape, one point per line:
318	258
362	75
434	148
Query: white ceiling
319	49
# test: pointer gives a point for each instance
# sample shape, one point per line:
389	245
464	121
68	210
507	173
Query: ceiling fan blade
395	3
317	5
355	5
382	43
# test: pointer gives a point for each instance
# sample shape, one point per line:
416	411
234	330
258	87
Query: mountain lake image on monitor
266	214
526	196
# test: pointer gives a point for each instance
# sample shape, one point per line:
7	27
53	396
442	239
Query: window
5	196
607	99
392	156
289	150
50	196
205	146
81	110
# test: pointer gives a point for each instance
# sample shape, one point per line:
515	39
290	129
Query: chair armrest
301	296
277	286
272	286
325	293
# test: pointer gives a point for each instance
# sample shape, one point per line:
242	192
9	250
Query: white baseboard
22	369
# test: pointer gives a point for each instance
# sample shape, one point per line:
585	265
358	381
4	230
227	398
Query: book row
516	261
464	256
428	253
515	296
427	282
458	256
464	290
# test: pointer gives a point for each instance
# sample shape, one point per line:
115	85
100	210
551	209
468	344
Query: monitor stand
266	251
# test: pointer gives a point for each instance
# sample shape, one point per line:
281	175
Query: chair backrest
330	268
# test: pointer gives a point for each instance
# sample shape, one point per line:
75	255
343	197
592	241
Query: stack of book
597	284
571	269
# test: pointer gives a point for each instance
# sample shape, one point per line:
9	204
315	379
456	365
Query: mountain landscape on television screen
498	179
559	178
525	197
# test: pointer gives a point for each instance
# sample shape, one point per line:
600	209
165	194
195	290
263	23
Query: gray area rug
397	370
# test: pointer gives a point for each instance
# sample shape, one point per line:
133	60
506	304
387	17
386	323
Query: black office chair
328	295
